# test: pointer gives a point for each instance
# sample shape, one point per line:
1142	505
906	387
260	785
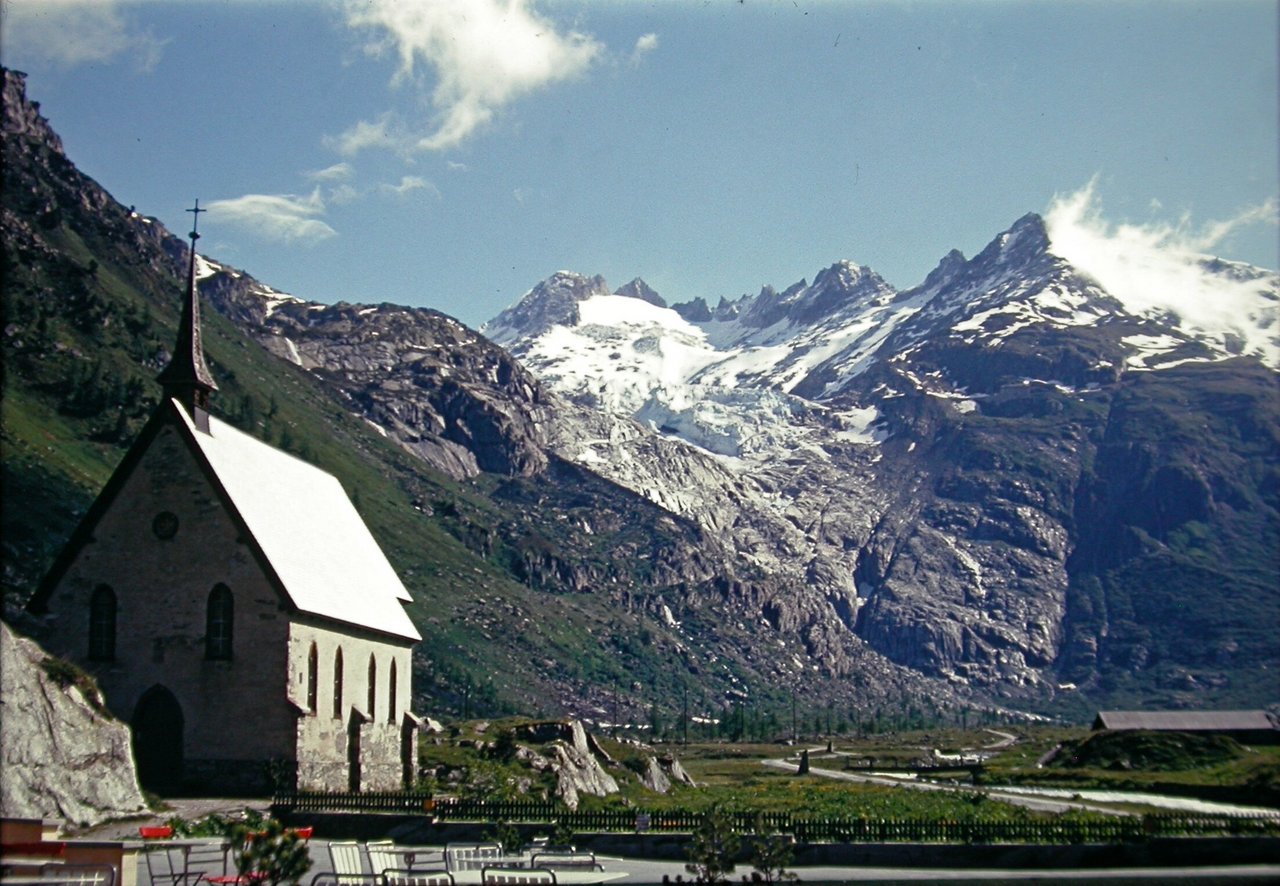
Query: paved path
1040	804
1007	739
643	871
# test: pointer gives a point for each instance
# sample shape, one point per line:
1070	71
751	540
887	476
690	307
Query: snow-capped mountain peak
1232	309
687	368
551	303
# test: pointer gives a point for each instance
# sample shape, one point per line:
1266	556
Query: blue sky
453	153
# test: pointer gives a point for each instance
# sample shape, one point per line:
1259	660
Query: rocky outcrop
22	119
659	774
568	750
63	755
654	778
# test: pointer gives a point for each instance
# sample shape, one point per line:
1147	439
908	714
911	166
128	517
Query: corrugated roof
321	550
1185	721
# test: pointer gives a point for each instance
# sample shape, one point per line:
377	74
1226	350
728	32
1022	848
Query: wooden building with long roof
1253	727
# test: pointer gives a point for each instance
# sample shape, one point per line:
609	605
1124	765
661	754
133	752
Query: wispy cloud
76	32
485	54
410	183
336	172
1160	267
284	218
385	132
645	45
343	193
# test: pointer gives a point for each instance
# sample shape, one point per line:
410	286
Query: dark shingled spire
187	378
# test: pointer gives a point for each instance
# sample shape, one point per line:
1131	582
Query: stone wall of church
349	738
161	548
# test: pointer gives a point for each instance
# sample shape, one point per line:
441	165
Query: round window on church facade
165	525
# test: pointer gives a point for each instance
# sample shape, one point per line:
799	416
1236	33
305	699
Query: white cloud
485	54
336	172
284	218
1159	267
343	193
76	32
384	132
410	183
645	45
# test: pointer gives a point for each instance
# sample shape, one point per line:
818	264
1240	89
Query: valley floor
1037	798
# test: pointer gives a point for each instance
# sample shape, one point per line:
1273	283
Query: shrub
270	853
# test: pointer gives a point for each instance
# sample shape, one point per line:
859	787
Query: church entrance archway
157	741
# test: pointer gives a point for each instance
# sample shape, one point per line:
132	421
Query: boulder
661	773
578	770
572	754
63	756
654	778
676	773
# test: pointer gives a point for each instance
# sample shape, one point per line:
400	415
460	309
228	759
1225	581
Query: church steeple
187	378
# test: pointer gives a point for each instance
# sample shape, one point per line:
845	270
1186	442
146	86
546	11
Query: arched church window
373	685
313	679
337	684
217	636
102	624
391	694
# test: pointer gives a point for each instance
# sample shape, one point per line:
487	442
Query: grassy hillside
91	296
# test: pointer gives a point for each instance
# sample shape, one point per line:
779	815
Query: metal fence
805	829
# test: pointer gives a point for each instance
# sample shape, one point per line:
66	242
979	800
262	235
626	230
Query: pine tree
713	848
771	852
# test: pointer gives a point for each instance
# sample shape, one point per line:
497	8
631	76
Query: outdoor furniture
333	878
185	862
471	856
167	866
386	855
393	877
77	875
347	863
558	861
508	876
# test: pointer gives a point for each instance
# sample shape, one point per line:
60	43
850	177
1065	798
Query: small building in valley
234	607
1254	727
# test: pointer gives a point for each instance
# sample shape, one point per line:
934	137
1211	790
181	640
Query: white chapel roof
301	518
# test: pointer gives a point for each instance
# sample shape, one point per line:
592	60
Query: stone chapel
234	608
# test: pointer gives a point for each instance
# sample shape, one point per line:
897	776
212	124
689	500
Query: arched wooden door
157	741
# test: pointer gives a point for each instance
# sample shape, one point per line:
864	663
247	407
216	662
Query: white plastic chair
347	864
392	877
78	874
517	877
470	856
383	856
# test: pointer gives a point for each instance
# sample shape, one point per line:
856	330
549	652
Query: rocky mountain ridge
514	553
948	440
961	492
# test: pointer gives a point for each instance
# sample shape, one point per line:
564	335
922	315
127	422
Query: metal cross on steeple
187	378
195	222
